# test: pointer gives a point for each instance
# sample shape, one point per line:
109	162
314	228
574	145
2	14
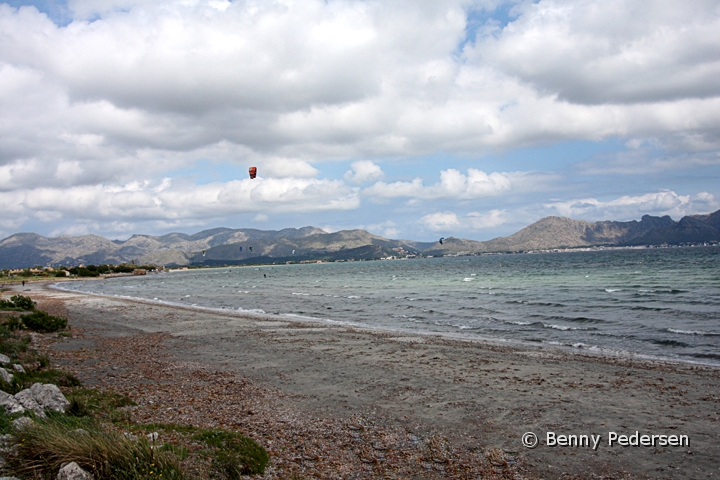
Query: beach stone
22	422
5	441
4	359
10	403
18	368
72	471
5	376
49	397
27	400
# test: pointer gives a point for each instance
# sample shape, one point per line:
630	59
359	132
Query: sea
661	303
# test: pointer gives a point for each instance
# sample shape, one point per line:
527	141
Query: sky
412	119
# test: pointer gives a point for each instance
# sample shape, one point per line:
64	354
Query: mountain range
221	246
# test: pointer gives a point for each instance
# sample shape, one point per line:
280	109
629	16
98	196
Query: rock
5	376
5	441
72	471
4	359
27	400
10	403
18	368
22	422
49	397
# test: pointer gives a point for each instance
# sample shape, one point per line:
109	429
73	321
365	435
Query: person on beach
23	283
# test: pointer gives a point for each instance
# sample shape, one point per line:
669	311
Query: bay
659	303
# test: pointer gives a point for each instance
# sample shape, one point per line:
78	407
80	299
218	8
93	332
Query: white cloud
473	221
440	221
137	90
611	51
363	171
453	184
633	207
286	168
387	229
138	201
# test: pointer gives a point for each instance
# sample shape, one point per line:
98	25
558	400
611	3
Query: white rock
10	403
5	376
49	397
72	471
22	422
4	359
18	368
5	441
27	400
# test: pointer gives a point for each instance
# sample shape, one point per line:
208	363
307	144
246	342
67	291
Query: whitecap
468	279
693	332
612	290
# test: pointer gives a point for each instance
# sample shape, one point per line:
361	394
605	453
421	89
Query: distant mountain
29	249
222	245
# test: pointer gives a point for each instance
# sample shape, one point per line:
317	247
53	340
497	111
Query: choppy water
656	302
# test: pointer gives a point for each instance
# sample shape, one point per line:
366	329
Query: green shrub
234	454
18	302
13	324
21	301
43	322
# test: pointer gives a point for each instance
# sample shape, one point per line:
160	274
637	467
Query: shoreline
480	397
592	351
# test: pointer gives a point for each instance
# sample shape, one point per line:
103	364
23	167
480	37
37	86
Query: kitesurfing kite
441	239
203	253
250	248
241	248
253	172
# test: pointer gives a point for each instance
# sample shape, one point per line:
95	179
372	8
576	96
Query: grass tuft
41	448
234	454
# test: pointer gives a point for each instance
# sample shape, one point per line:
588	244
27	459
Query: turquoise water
655	302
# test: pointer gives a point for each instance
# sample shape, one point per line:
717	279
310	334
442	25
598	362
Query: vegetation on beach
96	431
38	273
17	303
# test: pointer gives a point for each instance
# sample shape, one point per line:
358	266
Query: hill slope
222	245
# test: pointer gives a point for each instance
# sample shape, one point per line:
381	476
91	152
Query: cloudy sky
411	119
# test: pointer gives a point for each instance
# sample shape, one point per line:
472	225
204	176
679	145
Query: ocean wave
613	290
713	356
565	327
650	309
569	319
669	343
694	332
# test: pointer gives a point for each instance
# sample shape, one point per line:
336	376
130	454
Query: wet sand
477	393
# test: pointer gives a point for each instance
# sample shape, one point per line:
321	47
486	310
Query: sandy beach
340	402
